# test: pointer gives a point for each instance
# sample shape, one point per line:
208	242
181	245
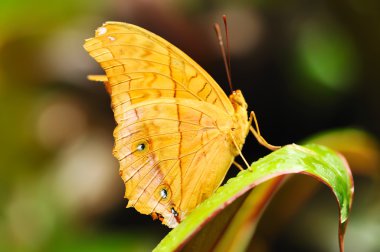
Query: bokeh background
305	67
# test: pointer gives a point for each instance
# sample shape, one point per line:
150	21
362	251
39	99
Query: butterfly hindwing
164	144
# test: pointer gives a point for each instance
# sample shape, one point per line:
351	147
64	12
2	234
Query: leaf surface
235	208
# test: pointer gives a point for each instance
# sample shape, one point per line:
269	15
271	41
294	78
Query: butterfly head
238	101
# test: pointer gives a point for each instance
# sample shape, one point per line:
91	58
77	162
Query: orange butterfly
177	132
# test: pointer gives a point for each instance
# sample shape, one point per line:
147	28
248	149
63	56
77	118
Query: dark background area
304	67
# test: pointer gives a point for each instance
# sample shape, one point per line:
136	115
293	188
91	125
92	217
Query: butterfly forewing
141	60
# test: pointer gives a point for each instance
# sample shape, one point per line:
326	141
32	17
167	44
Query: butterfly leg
241	155
238	166
256	133
101	78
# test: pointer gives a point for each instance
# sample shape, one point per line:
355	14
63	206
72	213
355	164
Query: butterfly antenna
228	44
223	51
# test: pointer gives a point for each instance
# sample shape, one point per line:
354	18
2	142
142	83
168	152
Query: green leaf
215	221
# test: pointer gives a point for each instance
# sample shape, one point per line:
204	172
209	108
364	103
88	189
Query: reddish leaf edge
291	158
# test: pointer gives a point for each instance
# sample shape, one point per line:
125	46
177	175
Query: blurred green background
305	67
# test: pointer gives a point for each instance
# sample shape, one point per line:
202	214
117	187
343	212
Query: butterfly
177	132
